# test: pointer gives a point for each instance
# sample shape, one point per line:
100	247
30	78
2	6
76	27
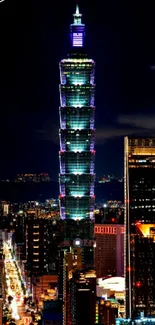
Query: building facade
109	250
106	311
72	261
77	154
42	240
76	179
36	247
79	290
139	190
77	95
83	297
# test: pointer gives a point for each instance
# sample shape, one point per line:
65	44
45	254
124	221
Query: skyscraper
139	190
109	254
83	296
77	94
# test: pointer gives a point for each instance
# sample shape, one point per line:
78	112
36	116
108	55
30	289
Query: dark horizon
24	192
34	38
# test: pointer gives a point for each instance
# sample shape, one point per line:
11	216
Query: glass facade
139	190
77	110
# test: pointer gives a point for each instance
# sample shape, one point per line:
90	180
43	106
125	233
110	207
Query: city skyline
85	255
29	97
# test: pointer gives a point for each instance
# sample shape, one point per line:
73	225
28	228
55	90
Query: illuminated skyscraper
77	154
139	186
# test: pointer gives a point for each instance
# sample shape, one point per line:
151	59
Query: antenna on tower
77	15
77	9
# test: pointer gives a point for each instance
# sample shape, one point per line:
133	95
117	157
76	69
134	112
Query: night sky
34	37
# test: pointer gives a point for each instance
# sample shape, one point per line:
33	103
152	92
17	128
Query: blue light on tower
77	30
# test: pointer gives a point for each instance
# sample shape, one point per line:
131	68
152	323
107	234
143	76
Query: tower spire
77	29
77	9
77	16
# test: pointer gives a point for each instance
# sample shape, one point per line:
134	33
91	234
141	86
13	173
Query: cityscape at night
77	168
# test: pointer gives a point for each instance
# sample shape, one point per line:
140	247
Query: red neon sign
105	230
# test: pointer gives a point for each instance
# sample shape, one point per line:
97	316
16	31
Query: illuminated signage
78	39
108	230
105	230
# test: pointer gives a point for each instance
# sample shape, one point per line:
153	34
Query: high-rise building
139	188
109	250
79	290
77	154
42	240
83	297
36	246
72	261
106	311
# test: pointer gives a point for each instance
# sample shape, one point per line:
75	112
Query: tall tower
139	253
77	154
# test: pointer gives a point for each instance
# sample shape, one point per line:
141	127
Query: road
14	290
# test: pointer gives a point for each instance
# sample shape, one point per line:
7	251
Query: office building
83	297
109	250
106	311
139	190
42	240
36	246
79	290
77	154
72	262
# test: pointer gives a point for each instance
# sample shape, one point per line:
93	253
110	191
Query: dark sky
34	37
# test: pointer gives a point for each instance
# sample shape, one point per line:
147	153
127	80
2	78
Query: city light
13	281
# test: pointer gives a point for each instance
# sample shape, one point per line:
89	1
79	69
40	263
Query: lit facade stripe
127	261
